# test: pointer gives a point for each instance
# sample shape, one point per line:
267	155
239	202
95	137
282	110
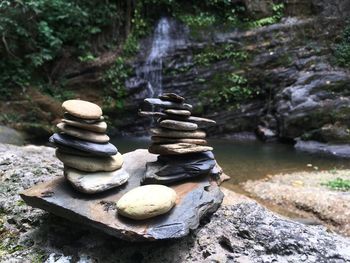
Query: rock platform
196	198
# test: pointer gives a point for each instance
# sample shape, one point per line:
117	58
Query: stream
252	160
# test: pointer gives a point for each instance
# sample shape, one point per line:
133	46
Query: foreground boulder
244	232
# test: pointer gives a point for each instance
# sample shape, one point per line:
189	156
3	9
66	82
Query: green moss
338	184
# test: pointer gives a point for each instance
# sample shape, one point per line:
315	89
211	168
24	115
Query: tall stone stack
91	163
181	145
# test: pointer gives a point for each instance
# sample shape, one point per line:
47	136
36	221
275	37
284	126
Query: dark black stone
168	104
101	149
172	97
69	150
170	169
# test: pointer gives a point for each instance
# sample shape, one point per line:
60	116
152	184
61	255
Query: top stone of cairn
82	109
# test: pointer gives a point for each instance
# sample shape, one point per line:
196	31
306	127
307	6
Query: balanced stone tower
183	150
91	163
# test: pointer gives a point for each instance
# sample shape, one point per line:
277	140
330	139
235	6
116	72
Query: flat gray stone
152	114
184	113
103	149
162	140
201	121
177	134
172	97
178	148
196	199
178	125
95	182
168	104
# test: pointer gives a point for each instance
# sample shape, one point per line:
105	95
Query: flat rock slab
196	199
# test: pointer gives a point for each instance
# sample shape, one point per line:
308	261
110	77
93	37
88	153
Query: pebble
177	112
168	104
102	149
172	97
91	163
177	148
100	126
91	183
159	132
82	109
161	140
178	125
83	134
146	202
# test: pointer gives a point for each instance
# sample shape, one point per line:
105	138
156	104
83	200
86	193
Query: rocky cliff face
298	90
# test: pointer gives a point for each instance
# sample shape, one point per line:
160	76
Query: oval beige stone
91	164
146	201
82	109
95	127
83	134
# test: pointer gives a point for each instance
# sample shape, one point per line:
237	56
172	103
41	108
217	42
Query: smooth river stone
91	183
82	109
177	148
178	112
177	134
83	134
178	125
68	116
94	127
102	149
152	114
170	169
172	97
69	150
91	164
199	120
168	104
146	202
161	140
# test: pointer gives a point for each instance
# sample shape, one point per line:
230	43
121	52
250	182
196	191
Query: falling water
151	71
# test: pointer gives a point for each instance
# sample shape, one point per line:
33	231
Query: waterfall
151	71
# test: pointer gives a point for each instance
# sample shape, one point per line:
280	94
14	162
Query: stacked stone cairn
181	145
91	163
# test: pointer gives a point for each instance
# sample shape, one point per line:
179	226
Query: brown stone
83	134
162	140
95	127
178	112
178	148
172	97
82	109
178	125
177	134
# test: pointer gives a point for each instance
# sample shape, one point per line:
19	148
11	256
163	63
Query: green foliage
278	12
114	79
216	53
338	184
227	90
35	32
342	51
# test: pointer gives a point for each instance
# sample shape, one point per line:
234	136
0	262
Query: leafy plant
227	90
35	33
338	184
342	51
114	79
278	13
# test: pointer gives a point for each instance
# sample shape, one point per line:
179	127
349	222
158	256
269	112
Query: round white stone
146	201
